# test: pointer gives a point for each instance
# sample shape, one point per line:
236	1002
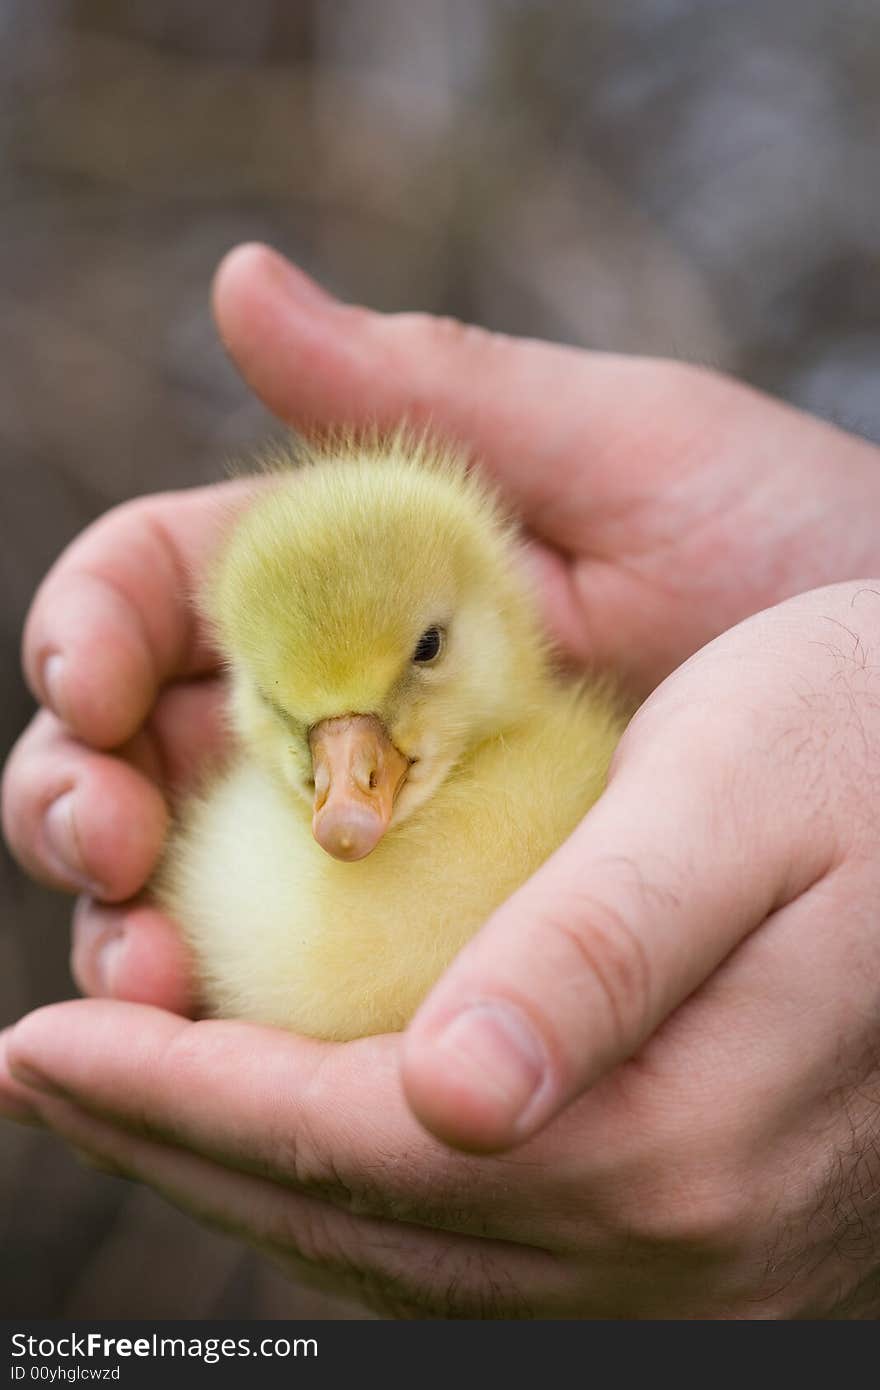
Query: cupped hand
663	503
702	955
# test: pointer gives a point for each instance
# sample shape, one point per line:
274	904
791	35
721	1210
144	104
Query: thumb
544	419
683	855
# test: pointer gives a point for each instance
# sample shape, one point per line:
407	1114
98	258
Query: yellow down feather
318	599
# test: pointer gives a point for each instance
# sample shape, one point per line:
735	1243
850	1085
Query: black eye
429	646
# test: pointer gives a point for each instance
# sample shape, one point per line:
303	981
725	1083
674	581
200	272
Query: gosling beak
358	773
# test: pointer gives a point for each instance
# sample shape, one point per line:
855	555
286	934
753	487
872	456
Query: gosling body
319	600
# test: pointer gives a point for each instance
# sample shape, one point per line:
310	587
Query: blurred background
697	178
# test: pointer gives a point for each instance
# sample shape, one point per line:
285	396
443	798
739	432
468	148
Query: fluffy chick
407	755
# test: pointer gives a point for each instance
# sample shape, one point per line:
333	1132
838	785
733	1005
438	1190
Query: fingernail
496	1042
98	933
107	962
59	828
53	683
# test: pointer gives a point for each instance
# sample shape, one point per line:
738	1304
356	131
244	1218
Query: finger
115	618
627	473
16	1101
576	440
326	1119
133	952
78	820
387	1262
318	363
186	738
549	422
89	823
682	857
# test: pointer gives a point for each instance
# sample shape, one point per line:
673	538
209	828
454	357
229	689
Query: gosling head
377	630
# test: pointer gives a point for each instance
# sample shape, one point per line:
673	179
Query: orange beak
358	773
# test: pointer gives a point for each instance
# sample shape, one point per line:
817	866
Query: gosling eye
429	646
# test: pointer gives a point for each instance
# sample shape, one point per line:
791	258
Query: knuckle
689	1196
324	1163
297	1148
698	1208
689	1181
450	334
329	1242
596	942
454	333
691	1176
354	1174
316	1235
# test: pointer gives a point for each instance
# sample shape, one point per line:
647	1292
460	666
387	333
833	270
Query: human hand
664	503
700	961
